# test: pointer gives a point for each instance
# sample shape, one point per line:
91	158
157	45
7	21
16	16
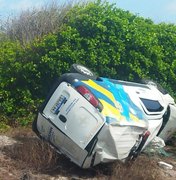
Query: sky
157	10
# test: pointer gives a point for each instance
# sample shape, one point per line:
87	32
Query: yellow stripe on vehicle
100	89
134	118
110	111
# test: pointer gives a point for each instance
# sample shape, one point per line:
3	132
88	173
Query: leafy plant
112	42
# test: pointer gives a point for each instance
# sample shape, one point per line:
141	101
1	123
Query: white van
92	119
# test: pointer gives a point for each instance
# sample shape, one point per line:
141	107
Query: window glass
151	105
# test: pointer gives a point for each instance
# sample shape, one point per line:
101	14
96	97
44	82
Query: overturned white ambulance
91	119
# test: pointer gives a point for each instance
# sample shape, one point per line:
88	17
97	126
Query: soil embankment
24	157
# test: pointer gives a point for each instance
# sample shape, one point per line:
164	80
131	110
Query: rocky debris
155	146
6	141
165	165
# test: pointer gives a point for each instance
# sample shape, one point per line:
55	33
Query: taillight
137	148
146	135
90	97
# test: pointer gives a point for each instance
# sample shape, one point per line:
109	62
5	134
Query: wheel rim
84	70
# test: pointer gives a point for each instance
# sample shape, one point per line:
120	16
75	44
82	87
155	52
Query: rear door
73	115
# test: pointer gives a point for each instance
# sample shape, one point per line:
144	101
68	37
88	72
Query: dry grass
36	22
37	157
144	168
32	153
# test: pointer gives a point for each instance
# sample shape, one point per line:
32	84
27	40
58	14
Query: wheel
34	128
34	125
77	68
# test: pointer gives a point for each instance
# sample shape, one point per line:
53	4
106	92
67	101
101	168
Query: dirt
24	157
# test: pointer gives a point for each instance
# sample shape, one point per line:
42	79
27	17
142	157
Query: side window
151	105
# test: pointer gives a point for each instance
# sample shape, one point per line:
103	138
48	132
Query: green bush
110	41
15	97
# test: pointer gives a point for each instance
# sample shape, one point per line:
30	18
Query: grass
37	157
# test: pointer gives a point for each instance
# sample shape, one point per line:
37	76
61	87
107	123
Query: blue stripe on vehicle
120	96
123	98
96	93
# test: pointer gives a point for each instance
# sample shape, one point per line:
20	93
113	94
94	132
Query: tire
34	128
77	68
34	125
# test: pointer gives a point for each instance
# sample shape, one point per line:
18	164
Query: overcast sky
157	10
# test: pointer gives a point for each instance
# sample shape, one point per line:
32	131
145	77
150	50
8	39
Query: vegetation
32	158
35	23
35	50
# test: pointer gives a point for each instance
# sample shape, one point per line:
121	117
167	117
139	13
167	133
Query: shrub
110	41
36	22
